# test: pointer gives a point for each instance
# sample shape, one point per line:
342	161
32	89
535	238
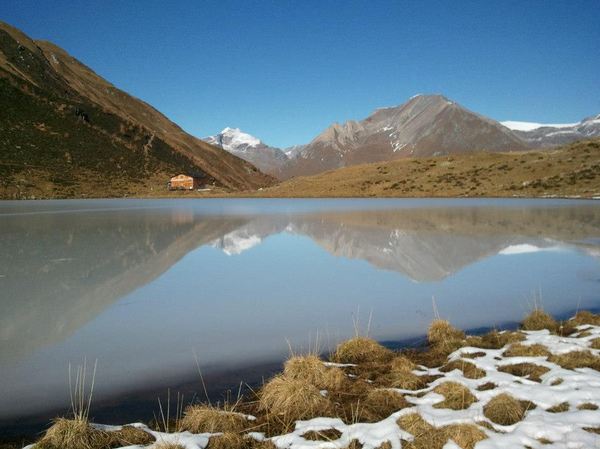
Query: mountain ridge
65	132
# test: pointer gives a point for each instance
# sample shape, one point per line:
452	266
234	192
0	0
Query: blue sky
284	71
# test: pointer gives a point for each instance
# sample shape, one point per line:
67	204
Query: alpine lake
162	294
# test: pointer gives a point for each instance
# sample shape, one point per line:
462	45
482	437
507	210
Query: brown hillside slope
569	171
42	86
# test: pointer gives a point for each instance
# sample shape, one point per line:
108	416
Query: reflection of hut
185	181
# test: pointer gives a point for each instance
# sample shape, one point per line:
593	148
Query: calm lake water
140	285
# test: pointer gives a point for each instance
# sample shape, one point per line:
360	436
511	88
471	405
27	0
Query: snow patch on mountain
528	126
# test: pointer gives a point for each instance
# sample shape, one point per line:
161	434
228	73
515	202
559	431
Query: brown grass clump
402	380
228	440
443	336
205	418
520	350
587	406
465	435
495	339
380	404
559	408
585	317
576	359
595	343
360	350
487	386
544	441
322	435
74	434
310	368
469	370
557	381
456	396
425	435
472	355
504	410
129	436
530	371
165	445
402	364
592	430
293	399
538	320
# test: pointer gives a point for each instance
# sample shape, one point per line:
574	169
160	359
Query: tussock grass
469	370
585	317
587	406
538	320
379	404
444	337
530	371
473	355
402	364
310	368
487	386
465	435
456	396
495	339
559	408
520	350
576	359
202	418
360	350
232	440
293	399
504	410
73	434
322	435
557	381
427	436
402	380
165	445
595	343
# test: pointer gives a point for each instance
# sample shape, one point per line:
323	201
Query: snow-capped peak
237	138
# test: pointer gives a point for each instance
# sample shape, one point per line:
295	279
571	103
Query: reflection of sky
242	308
235	290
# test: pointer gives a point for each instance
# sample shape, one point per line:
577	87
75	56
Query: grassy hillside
124	147
569	171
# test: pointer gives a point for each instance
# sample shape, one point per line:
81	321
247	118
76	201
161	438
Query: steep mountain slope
537	135
249	148
425	125
65	131
294	150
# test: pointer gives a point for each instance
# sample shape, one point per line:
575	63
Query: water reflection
140	287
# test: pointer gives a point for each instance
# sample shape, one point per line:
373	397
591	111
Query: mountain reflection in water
140	288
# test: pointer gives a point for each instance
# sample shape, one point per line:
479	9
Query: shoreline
375	364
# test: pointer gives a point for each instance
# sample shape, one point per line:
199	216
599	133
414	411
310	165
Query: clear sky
284	71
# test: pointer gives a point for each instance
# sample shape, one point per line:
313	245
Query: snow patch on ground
528	126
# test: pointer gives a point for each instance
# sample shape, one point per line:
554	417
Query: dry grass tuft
557	381
311	368
293	399
228	440
585	317
380	404
595	343
130	436
456	396
473	355
212	419
538	320
74	434
443	336
488	426
322	435
587	406
487	386
504	410
402	380
592	430
165	445
544	441
469	370
425	435
360	350
495	339
576	359
465	435
520	350
559	408
402	364
530	371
